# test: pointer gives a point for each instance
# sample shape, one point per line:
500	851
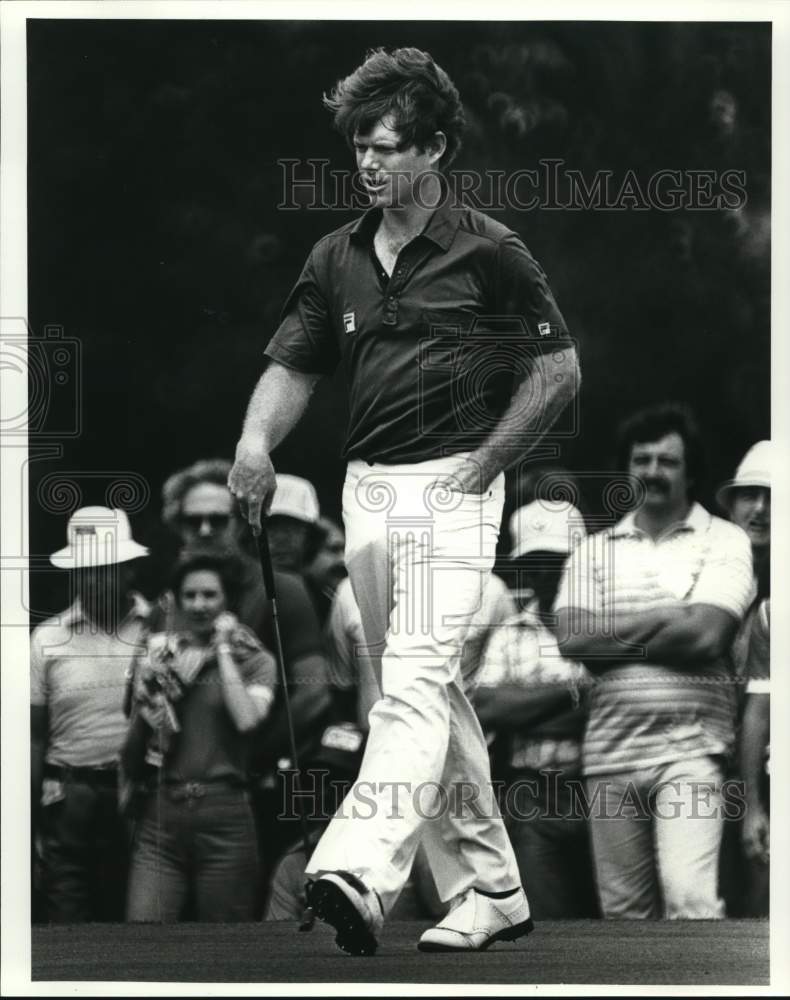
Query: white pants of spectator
419	559
656	834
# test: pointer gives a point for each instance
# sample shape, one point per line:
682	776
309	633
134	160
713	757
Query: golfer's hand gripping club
253	483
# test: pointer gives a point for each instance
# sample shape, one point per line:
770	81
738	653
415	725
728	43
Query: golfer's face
389	171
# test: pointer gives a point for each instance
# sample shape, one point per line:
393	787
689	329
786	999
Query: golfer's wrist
254	444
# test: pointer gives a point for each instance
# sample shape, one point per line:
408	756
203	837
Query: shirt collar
441	228
696	520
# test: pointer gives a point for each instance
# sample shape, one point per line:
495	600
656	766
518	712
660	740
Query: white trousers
419	559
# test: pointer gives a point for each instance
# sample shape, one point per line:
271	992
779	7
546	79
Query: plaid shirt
523	652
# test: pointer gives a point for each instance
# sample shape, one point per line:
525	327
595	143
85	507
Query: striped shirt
644	714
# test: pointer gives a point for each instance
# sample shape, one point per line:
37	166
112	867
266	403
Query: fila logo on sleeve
349	322
544	329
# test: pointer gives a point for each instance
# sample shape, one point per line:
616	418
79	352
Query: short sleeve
257	665
759	662
304	339
39	695
726	580
523	290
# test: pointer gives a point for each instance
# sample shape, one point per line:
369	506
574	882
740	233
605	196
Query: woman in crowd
202	690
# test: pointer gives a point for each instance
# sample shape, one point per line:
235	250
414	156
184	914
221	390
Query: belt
180	791
107	776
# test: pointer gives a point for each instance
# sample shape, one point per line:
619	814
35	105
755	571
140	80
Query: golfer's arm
537	403
277	403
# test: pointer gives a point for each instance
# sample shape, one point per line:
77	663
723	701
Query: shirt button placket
391	311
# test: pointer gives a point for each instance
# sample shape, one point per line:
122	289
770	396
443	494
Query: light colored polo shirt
644	714
78	672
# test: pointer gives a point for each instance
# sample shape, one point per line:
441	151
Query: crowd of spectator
620	672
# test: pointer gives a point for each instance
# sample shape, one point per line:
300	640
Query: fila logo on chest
350	322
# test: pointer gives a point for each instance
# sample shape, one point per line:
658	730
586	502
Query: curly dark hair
655	422
410	87
224	563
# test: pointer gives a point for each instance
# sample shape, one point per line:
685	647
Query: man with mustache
651	605
450	341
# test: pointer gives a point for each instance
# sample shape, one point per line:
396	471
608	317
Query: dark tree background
155	240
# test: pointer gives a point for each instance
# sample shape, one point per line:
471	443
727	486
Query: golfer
449	338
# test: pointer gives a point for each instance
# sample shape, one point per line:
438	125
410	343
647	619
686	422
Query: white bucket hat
295	497
546	526
97	536
754	470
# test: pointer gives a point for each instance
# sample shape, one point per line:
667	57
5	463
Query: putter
267	570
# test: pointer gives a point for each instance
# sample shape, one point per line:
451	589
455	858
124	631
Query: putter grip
266	563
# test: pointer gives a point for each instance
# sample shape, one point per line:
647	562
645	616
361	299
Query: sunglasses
196	521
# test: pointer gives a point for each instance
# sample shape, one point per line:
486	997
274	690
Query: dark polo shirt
432	353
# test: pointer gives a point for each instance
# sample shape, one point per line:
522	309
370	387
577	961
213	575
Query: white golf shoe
477	921
344	901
